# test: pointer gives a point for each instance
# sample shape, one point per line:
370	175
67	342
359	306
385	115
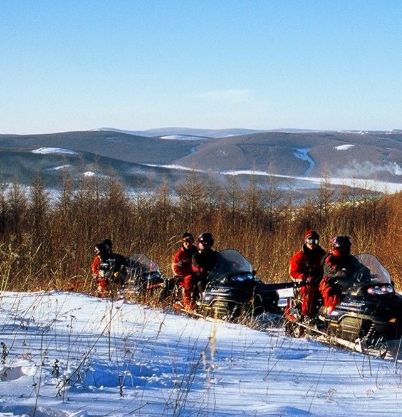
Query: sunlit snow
71	355
181	137
367	184
343	147
45	151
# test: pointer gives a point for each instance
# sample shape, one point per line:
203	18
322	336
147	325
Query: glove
309	280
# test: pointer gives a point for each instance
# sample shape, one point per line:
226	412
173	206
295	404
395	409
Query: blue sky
141	64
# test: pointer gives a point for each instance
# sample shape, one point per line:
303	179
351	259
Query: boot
187	302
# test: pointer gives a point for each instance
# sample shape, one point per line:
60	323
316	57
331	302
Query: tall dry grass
48	244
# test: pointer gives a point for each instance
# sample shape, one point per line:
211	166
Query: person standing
182	268
306	269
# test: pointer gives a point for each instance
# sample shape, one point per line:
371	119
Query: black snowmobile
233	292
367	319
144	278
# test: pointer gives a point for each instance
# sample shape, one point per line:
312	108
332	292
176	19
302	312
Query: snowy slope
65	354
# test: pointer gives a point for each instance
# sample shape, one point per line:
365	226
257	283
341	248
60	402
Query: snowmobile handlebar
280	285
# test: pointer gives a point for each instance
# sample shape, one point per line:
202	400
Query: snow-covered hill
167	153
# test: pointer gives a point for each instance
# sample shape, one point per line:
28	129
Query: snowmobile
144	278
368	318
233	292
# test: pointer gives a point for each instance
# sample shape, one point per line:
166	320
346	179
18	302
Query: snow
302	153
45	151
89	174
181	137
343	147
59	167
179	167
68	354
367	184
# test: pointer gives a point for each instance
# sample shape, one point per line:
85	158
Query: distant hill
184	131
146	159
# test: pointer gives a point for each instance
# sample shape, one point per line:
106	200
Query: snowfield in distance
46	151
66	354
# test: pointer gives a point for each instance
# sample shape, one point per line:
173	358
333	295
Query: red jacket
307	263
95	265
182	261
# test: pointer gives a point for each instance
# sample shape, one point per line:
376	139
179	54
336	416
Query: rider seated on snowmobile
306	270
341	271
204	260
182	268
108	268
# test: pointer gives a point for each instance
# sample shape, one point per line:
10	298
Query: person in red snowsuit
306	269
182	268
341	269
101	254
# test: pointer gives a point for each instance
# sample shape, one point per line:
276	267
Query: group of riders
191	265
316	272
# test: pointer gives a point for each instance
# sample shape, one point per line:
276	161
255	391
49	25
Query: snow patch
343	147
302	153
180	167
90	174
59	167
181	137
45	151
351	181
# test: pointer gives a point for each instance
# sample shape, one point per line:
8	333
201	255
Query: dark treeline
47	241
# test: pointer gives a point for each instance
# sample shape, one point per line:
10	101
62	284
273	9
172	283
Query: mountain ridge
135	157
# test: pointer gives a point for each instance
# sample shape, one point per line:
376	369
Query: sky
143	64
70	355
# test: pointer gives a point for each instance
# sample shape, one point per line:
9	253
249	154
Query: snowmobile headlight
387	289
379	290
224	281
241	278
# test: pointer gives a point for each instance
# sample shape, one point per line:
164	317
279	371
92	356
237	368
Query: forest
47	238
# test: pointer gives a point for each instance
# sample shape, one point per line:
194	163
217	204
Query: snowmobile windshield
378	274
231	263
142	264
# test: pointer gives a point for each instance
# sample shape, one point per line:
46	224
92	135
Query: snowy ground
65	354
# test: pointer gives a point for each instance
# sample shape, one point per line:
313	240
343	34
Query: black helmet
101	249
341	242
206	239
108	243
340	245
187	236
